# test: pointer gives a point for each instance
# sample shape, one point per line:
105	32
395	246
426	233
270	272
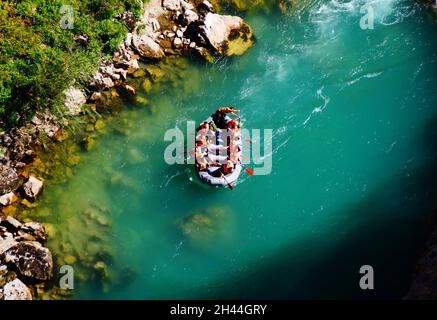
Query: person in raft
200	154
221	119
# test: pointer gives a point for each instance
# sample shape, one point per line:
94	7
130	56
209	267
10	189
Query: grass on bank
39	59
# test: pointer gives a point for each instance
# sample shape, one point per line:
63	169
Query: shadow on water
396	221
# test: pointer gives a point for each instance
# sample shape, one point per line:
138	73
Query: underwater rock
147	47
9	180
228	35
31	259
88	143
74	100
205	225
134	157
139	73
16	290
147	85
32	188
8	199
99	125
204	53
155	72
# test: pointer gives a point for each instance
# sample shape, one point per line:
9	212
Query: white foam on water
319	108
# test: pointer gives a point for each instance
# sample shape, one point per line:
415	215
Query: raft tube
207	176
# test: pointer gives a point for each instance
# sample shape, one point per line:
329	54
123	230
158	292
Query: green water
353	114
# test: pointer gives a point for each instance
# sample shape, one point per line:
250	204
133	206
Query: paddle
229	185
249	171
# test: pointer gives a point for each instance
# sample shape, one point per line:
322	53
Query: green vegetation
39	59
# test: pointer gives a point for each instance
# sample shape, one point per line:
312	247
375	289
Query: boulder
74	100
177	43
206	6
31	259
32	188
147	47
96	96
172	5
9	180
16	290
8	199
6	275
188	16
228	35
6	244
11	222
35	229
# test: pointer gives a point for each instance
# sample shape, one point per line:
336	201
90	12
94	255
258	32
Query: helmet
232	124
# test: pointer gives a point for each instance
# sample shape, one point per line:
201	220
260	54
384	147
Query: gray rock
177	43
16	290
206	5
96	96
32	188
14	223
188	17
7	199
6	244
35	229
173	5
216	29
147	47
74	100
31	259
9	180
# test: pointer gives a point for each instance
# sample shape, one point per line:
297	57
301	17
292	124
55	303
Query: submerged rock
9	180
206	225
16	290
228	35
32	188
31	259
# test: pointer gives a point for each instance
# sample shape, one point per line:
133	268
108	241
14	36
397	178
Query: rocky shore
167	28
23	259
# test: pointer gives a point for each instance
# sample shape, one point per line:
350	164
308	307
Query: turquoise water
353	114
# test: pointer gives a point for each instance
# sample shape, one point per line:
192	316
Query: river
353	113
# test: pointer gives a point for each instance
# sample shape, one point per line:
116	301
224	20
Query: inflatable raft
216	152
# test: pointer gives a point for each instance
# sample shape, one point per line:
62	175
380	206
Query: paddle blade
230	186
249	171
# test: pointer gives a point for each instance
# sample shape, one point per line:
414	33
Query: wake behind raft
219	149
